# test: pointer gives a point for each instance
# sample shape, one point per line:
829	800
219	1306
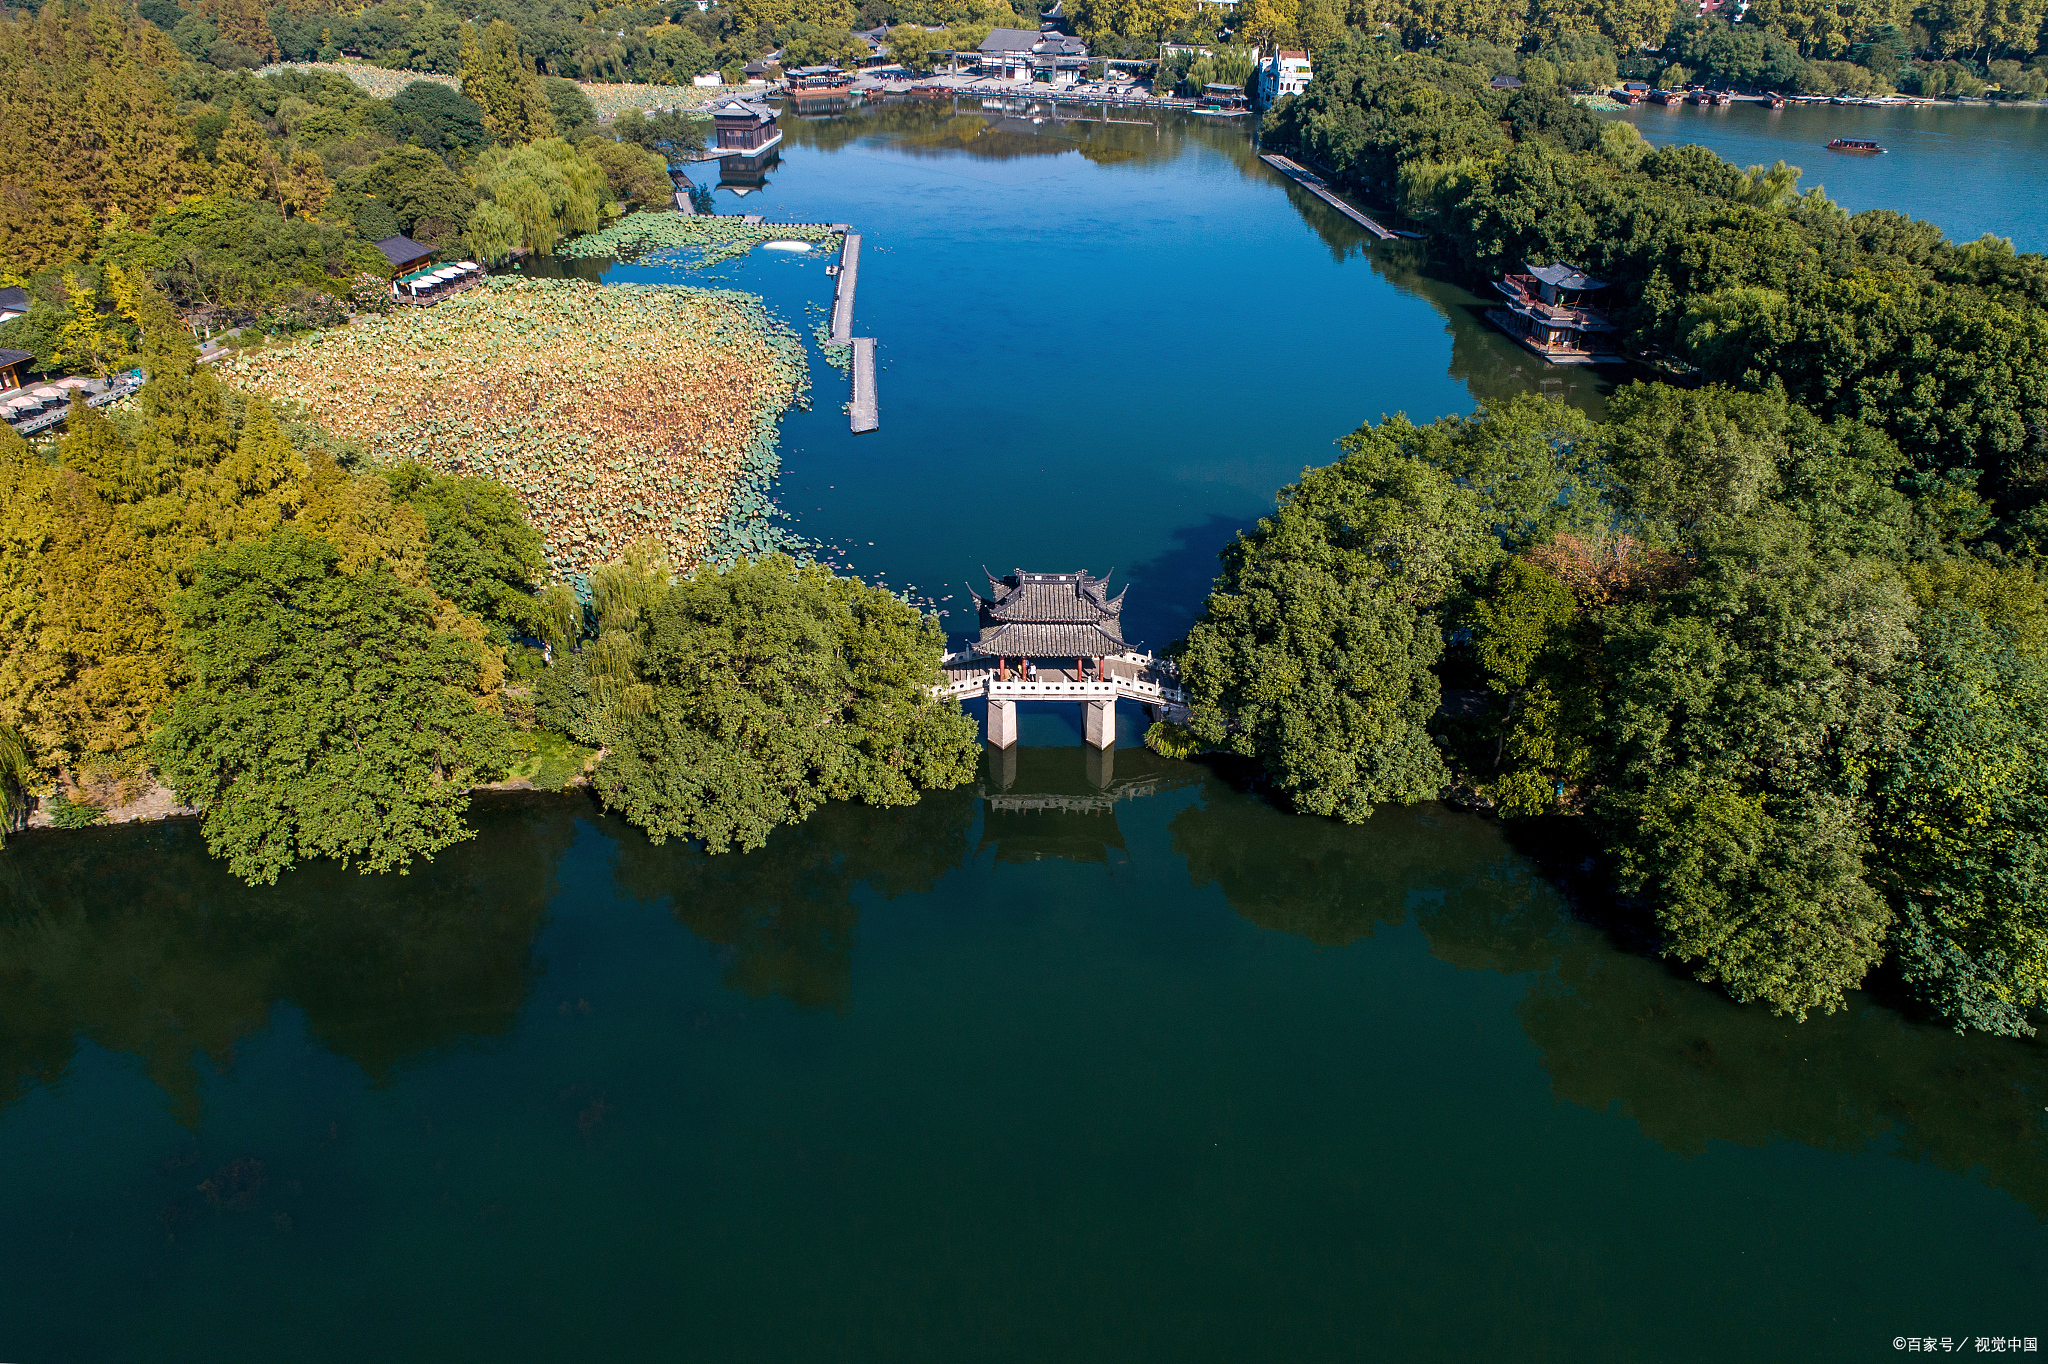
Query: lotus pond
614	413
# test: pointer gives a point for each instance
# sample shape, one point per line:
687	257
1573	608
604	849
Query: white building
1286	74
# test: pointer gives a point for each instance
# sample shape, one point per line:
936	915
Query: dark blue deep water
1165	1075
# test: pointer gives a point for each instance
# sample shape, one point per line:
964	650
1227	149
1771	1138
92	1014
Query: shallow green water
1161	1075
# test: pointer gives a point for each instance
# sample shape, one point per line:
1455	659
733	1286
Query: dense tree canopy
1794	684
327	715
763	690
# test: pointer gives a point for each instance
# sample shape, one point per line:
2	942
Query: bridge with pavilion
1058	637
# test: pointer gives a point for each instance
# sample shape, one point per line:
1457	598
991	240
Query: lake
1967	168
1162	1074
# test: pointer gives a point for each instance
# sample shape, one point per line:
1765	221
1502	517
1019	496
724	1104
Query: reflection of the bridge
1041	803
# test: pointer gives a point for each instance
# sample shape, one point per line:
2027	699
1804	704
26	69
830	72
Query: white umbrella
24	401
467	264
74	382
449	273
47	392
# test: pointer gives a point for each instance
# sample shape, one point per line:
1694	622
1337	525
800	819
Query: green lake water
1161	1075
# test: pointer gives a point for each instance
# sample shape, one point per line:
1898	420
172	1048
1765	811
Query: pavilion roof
1031	639
1049	597
1050	615
1562	276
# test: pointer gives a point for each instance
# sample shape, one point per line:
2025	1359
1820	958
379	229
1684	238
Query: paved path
863	413
1315	184
842	295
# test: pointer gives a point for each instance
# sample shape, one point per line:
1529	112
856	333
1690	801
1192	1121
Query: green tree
1315	653
775	688
632	175
326	715
1961	821
1520	628
17	775
497	76
482	552
1742	710
548	187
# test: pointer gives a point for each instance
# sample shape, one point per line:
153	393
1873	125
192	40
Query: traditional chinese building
1063	616
746	135
1070	624
404	255
1020	54
1547	312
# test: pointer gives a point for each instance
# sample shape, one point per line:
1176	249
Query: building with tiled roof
1049	615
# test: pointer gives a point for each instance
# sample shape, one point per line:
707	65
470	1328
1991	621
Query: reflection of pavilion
744	177
1039	803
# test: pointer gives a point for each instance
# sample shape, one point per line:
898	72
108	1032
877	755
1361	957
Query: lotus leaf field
610	98
613	99
713	237
614	413
375	81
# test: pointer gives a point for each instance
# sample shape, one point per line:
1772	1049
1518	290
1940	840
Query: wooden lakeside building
1547	312
746	137
819	89
1061	618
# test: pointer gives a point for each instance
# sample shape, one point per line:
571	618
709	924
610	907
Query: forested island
1775	629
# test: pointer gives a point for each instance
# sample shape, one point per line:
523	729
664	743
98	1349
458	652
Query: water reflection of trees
1614	1026
786	912
137	940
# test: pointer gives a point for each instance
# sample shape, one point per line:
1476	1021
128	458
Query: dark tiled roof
1010	40
1562	276
739	108
14	300
14	357
1050	597
1013	639
403	250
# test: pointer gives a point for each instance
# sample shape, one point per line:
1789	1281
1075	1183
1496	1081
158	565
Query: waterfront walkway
864	411
1316	185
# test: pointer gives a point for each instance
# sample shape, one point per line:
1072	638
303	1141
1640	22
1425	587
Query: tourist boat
1777	100
1666	97
1857	145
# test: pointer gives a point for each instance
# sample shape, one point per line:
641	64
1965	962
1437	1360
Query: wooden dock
1316	185
842	294
863	412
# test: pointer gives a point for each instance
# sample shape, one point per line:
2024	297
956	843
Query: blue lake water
1162	1075
1969	169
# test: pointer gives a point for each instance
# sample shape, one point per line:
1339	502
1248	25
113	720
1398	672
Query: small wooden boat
1777	100
1856	146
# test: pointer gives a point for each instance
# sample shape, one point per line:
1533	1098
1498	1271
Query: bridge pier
1101	767
1101	724
1002	723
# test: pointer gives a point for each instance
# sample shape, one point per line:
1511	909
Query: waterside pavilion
1547	312
1064	619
